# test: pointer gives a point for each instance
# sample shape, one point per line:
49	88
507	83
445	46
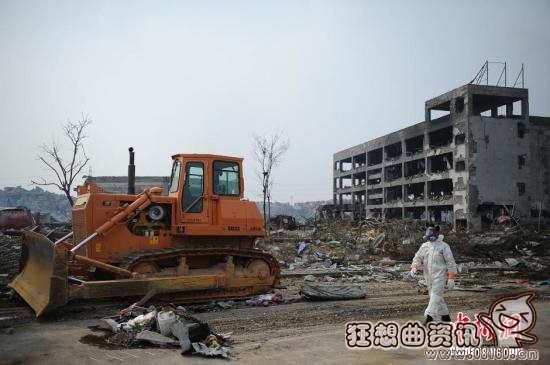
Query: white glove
413	272
450	283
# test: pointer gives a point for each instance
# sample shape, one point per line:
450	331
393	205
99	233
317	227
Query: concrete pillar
509	110
525	108
494	112
426	201
452	107
426	146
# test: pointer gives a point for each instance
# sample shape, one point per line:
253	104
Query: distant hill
300	211
37	200
40	200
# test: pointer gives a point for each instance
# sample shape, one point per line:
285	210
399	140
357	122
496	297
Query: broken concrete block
309	278
165	319
155	338
181	332
109	325
511	261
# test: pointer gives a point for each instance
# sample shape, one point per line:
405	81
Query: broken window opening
415	168
374	213
521	161
376	191
440	112
461	225
393	213
360	179
459	104
375	196
440	163
460	165
495	106
360	197
393	151
441	214
375	201
415	213
439	115
347	182
359	160
441	137
521	188
394	194
374	157
414	145
414	192
345	199
521	130
345	165
517	109
393	172
492	213
460	139
440	190
374	177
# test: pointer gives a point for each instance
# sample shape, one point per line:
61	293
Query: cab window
226	178
175	177
193	187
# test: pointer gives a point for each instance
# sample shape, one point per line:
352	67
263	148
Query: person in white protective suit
439	267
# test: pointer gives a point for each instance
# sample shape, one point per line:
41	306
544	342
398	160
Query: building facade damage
476	158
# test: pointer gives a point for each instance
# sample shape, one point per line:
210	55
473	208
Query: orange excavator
193	243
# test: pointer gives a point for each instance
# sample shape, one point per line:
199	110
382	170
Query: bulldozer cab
199	182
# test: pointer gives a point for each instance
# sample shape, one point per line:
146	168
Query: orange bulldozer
194	243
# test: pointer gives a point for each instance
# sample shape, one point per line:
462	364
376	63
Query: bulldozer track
147	256
227	293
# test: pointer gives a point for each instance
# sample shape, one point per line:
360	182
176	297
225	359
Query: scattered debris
164	326
332	292
309	278
267	299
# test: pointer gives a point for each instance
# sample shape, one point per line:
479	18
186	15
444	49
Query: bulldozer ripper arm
142	202
102	265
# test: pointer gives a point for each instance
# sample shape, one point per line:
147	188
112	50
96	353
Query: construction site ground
300	332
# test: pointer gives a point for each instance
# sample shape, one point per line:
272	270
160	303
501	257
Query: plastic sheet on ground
332	292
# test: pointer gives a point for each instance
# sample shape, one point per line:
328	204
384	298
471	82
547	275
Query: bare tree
268	151
66	169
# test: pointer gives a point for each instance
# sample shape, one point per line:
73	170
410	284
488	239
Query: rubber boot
446	318
428	320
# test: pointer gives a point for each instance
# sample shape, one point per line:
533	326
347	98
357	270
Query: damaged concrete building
477	156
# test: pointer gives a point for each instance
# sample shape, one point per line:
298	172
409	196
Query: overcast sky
203	76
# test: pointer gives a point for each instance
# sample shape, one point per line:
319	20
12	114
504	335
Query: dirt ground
303	332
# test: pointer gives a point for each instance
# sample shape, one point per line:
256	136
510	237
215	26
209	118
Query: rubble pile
340	244
10	253
164	326
527	252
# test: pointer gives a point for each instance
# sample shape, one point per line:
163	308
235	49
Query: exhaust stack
131	173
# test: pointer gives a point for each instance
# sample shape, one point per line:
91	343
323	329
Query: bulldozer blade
42	282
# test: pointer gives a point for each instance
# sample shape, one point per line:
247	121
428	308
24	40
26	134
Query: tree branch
66	170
